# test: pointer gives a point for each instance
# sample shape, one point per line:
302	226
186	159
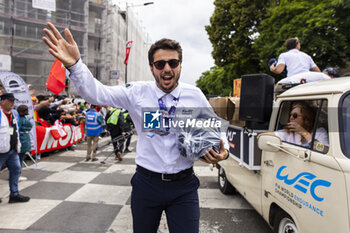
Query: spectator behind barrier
50	115
25	126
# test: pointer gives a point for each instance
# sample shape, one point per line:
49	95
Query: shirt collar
175	93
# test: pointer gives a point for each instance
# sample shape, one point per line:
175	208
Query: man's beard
159	81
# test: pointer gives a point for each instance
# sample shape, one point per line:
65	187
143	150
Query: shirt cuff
74	67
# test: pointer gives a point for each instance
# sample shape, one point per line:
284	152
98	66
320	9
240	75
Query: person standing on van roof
164	180
296	61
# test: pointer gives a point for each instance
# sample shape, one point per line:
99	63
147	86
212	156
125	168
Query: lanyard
9	120
167	114
172	109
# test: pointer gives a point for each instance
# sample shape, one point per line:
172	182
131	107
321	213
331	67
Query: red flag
55	81
128	47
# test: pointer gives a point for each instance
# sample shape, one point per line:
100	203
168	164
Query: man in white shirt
164	180
296	61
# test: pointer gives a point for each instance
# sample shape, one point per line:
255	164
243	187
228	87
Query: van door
302	178
343	152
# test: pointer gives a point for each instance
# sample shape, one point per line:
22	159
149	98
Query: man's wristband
68	68
227	155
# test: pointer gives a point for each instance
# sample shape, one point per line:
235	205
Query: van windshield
344	124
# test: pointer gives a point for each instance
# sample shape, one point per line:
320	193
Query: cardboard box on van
237	87
227	108
219	105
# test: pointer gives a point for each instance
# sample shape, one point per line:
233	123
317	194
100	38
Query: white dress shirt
159	153
296	61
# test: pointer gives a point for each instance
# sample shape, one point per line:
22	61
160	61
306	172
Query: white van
295	188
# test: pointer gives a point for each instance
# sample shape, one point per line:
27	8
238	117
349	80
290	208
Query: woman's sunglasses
173	63
294	115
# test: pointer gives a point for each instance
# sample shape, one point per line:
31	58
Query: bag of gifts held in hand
194	142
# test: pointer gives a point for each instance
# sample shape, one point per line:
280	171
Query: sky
184	21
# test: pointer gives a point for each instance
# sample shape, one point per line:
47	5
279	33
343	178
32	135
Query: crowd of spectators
50	109
68	110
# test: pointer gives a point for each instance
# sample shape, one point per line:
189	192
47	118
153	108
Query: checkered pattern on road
71	195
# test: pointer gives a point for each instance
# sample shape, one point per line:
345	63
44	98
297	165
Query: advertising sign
14	84
114	74
5	62
49	5
47	142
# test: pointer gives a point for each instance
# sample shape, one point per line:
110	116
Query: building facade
99	28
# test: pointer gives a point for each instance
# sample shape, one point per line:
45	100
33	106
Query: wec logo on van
303	182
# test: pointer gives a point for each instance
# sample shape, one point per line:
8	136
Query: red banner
128	48
46	142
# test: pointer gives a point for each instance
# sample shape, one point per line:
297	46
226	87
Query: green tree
245	34
218	80
233	27
232	30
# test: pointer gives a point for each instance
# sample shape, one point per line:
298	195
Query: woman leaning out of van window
299	128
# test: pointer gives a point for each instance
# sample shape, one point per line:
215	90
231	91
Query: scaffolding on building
97	27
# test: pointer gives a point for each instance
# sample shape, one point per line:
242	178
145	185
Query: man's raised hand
66	51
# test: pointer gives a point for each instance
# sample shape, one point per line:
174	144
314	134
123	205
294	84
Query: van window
304	123
344	124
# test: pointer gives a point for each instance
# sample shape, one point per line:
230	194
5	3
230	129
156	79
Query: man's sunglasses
173	63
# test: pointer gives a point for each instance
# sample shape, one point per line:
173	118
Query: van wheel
224	185
284	223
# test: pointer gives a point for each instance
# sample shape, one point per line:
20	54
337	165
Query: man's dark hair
164	44
292	43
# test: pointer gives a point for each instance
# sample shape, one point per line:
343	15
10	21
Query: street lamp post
127	30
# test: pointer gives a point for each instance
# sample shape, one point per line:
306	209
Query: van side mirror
269	143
